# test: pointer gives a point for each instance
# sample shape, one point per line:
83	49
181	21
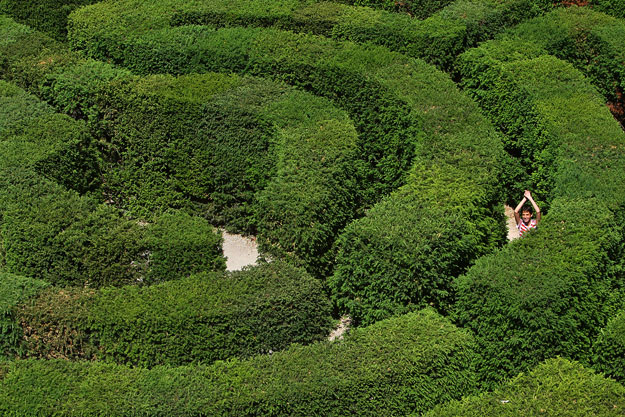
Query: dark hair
527	208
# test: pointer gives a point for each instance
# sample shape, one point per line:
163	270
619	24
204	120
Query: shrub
14	290
394	367
547	294
55	234
551	117
589	40
400	104
437	39
557	387
208	144
415	9
198	319
611	7
609	349
47	16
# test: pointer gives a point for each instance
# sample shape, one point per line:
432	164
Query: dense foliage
557	387
591	41
401	108
198	319
250	154
57	235
609	349
48	16
551	293
14	290
394	367
437	39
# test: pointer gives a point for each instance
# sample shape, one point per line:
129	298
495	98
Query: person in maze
524	221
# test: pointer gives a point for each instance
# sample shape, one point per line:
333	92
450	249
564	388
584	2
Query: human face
526	216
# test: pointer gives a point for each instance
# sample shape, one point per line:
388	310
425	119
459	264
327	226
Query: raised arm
528	195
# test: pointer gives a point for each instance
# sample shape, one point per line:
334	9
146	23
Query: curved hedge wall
591	41
555	387
265	157
57	235
394	367
609	349
397	104
438	39
198	319
14	290
551	293
48	16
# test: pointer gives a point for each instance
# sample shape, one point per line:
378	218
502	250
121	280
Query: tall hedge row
414	9
401	365
55	234
557	387
550	293
609	349
591	41
399	105
250	154
437	39
199	319
14	290
48	16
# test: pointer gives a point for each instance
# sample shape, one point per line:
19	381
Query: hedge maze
370	147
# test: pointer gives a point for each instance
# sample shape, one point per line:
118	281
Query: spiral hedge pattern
369	149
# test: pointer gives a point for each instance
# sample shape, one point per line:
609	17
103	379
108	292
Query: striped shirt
523	228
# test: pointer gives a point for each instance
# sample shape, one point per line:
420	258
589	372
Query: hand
527	194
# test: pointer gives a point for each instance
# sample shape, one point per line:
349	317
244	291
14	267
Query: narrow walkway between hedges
239	251
513	232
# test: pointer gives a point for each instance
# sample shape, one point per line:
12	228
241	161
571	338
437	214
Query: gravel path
239	251
513	232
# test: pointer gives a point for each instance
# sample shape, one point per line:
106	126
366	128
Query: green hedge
609	349
199	319
551	293
237	151
250	154
614	8
349	74
414	9
55	234
394	367
591	41
48	16
557	387
438	39
397	104
14	290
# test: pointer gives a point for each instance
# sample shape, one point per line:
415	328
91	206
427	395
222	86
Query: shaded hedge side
401	107
48	16
198	319
14	290
55	234
401	365
609	349
555	387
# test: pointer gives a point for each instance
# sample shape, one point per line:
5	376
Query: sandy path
239	251
513	232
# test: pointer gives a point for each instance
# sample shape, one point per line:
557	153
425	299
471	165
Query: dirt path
239	251
513	232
